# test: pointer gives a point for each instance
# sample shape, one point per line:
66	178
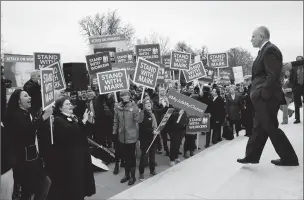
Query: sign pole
197	139
115	96
142	94
51	126
218	72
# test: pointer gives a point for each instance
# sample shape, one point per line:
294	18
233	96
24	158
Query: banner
161	74
166	60
111	50
45	59
195	71
186	103
218	60
210	72
124	57
47	87
150	52
18	68
112	81
146	73
238	74
180	60
165	120
199	124
59	82
103	41
99	62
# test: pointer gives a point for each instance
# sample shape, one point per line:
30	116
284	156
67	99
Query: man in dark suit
267	96
296	79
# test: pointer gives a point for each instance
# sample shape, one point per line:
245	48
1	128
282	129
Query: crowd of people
62	169
45	154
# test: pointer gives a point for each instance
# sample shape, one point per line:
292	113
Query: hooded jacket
125	122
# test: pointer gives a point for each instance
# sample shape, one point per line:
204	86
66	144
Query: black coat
173	127
146	129
218	112
74	177
34	90
234	107
22	130
266	83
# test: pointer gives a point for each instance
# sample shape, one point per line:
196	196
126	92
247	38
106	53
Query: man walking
267	96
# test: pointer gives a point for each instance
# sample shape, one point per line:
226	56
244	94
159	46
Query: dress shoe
125	179
290	114
297	121
207	145
186	155
284	123
280	162
246	161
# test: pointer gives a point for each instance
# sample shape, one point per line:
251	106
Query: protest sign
199	124
161	74
167	75
111	50
217	60
124	57
94	81
99	62
195	71
150	52
180	60
118	41
112	81
186	103
162	124
238	74
47	87
17	68
146	73
210	72
59	82
166	60
45	59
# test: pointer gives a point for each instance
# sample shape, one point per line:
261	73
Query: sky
38	26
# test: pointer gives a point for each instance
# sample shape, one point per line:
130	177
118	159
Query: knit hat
125	93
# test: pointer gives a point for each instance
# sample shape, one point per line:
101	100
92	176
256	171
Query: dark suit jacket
218	112
266	72
297	63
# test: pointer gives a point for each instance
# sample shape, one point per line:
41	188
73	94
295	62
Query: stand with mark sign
112	81
146	74
47	91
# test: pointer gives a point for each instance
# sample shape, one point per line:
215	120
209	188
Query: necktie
300	75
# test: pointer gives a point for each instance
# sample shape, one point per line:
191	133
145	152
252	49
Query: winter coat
173	127
22	127
218	112
74	177
147	127
125	122
234	107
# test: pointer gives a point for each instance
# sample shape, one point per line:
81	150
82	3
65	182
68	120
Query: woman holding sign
22	126
146	134
74	177
126	117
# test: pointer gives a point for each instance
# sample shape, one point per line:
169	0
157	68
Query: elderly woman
126	117
74	178
233	109
22	126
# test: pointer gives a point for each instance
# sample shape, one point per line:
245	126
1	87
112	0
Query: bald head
259	36
264	32
35	76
